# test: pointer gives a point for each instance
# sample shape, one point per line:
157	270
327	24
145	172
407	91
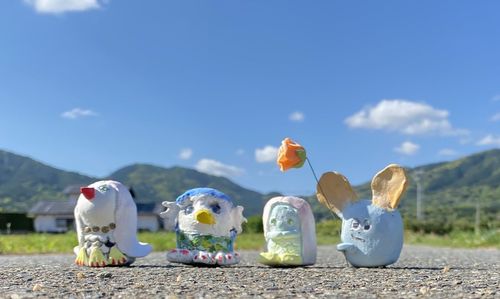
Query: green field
162	241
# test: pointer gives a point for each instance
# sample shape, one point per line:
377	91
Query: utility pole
417	175
477	222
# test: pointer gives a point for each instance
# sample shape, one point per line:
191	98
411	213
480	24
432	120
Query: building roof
73	189
147	208
53	208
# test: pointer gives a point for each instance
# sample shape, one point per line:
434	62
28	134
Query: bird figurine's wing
170	214
126	224
79	228
238	219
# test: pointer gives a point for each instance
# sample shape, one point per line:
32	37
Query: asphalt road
420	272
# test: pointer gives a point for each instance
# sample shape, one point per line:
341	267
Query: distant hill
157	184
24	181
450	190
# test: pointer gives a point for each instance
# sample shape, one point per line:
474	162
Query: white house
58	217
148	216
53	216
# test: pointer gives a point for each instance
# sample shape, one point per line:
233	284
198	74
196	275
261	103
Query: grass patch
460	239
163	241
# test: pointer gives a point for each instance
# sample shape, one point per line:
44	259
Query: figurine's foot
269	258
291	259
177	255
96	258
116	258
82	258
225	259
204	257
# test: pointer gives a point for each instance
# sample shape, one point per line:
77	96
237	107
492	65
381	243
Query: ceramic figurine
206	222
372	231
290	233
106	225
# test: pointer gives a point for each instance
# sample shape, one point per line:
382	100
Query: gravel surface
420	272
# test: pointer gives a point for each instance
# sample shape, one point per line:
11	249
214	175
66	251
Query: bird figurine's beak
204	216
88	192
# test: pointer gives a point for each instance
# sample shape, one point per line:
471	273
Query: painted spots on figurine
372	231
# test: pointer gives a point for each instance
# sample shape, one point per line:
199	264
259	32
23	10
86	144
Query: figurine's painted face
376	232
283	220
97	204
206	215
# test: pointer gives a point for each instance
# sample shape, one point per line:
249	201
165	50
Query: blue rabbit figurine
372	231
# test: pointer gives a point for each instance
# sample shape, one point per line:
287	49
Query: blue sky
92	86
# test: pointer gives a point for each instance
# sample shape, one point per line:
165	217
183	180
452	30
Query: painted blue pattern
203	191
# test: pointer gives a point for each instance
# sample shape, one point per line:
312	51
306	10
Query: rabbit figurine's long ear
388	186
334	191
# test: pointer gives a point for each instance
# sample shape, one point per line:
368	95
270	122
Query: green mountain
24	181
450	191
157	184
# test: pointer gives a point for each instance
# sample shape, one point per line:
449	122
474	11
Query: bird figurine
106	225
372	230
290	233
206	222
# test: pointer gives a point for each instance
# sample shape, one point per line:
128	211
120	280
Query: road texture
420	272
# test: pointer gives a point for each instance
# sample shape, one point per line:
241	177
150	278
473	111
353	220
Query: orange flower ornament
291	155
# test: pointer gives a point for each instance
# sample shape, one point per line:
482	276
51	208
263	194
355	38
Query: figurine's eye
103	188
273	221
366	225
355	224
188	209
289	221
215	208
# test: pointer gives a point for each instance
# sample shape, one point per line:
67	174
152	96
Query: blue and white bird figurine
206	222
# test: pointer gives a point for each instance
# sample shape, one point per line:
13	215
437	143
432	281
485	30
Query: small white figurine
106	224
372	230
290	232
206	223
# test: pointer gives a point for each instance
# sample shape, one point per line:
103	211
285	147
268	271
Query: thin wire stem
320	189
312	169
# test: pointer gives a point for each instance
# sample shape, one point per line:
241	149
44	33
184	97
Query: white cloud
496	117
217	168
185	154
78	113
296	116
447	152
407	148
406	117
240	152
62	6
489	140
266	154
